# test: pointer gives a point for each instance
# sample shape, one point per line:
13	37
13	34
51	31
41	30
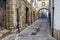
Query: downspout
52	16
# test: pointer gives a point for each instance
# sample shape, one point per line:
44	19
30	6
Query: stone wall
11	15
36	15
27	16
43	4
57	34
17	16
33	16
22	16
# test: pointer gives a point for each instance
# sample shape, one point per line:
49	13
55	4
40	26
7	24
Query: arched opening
45	13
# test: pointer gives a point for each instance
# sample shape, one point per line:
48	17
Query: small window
43	3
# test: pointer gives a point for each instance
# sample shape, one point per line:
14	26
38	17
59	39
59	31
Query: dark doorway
18	21
27	16
2	14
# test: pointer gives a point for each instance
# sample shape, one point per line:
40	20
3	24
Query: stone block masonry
11	15
21	18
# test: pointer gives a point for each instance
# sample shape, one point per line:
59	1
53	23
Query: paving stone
10	37
43	34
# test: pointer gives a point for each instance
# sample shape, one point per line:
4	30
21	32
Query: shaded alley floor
31	32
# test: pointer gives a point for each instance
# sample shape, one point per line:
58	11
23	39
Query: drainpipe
53	21
52	17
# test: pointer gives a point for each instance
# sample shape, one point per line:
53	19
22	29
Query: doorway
27	16
2	14
18	21
44	13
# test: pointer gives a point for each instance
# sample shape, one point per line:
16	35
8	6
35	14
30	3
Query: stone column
29	16
36	15
22	16
33	16
11	15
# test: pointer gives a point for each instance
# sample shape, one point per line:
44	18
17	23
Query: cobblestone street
31	33
29	20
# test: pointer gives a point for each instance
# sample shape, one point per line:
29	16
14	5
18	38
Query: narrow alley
39	30
29	20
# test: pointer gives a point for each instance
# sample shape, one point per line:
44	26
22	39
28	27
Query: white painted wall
57	14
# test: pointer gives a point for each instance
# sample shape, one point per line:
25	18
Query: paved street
32	32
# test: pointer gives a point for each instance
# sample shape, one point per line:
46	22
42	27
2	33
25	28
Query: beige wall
40	5
22	15
11	14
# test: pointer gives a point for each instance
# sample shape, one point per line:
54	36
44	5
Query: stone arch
48	15
42	9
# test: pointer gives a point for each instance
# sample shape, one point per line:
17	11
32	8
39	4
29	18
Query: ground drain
33	33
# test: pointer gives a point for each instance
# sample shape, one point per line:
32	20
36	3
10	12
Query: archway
44	13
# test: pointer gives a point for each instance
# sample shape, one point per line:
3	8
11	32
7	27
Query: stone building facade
18	16
11	15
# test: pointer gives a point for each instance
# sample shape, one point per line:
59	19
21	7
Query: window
43	3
